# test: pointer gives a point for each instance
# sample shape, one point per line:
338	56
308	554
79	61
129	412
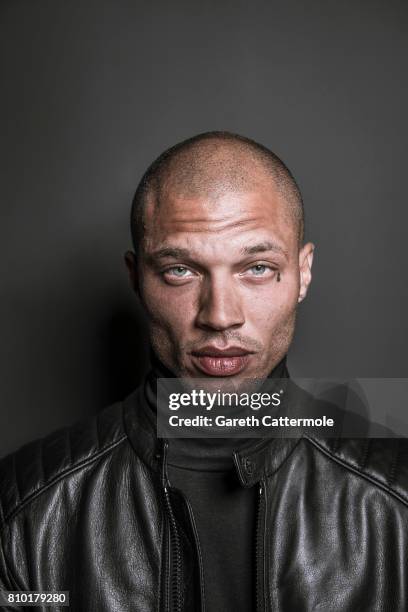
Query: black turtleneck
224	511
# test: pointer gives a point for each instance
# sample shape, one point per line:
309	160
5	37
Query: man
126	521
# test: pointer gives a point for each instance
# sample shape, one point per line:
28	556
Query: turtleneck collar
204	454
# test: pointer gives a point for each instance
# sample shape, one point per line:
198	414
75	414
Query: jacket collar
262	459
259	458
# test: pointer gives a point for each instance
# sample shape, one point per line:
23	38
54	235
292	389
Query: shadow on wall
127	351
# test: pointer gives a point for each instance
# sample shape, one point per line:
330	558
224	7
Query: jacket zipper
199	558
260	550
174	599
175	558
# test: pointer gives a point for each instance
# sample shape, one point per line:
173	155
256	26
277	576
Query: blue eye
259	269
179	271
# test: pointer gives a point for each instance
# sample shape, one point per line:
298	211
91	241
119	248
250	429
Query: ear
305	269
131	264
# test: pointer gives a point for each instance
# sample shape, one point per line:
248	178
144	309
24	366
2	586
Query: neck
210	454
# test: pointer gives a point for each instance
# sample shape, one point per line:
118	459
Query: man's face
220	280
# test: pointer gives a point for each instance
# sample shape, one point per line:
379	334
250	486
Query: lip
213	351
221	362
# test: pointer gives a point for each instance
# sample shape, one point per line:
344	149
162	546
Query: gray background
92	91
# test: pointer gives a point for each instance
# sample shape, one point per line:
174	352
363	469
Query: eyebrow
264	246
170	252
179	253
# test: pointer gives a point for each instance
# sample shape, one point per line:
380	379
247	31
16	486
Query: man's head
217	226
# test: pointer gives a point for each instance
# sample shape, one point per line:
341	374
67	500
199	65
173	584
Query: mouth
221	362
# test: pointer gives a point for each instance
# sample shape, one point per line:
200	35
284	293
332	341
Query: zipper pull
164	477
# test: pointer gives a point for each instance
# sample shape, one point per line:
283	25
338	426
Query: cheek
166	307
271	306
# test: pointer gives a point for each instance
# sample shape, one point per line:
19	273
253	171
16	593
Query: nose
220	306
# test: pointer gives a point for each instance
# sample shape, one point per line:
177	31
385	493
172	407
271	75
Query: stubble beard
171	353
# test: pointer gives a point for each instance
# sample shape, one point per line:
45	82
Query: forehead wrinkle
183	217
180	215
211	225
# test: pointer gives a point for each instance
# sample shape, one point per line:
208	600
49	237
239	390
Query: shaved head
217	225
209	166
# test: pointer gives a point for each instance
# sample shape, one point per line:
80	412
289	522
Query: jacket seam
24	502
292	450
355	470
10	576
393	471
161	572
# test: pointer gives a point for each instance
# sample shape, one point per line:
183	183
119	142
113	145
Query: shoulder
382	461
33	468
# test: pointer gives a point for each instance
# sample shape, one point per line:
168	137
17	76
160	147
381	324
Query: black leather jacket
88	510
